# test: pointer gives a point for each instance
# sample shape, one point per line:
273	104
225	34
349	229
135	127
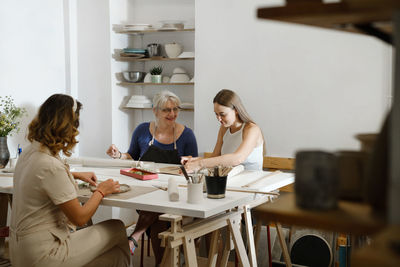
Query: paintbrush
185	173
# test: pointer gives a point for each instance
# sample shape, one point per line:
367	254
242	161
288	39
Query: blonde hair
161	98
56	124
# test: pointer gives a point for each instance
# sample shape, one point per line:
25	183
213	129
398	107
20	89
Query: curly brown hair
56	124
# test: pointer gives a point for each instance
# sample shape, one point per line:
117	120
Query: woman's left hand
88	177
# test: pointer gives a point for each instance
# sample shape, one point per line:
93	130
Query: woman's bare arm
80	215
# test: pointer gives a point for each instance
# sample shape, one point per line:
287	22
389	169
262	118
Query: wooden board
349	217
320	14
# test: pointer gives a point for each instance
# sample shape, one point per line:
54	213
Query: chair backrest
275	163
284	164
207	154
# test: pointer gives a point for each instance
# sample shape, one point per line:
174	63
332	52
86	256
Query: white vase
4	152
173	50
156	78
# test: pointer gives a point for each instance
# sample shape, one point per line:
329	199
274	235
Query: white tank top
232	141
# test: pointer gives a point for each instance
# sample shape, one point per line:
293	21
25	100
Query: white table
213	213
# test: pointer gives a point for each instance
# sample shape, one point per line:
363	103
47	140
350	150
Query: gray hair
161	98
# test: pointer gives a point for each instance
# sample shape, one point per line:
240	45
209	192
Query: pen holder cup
195	193
216	186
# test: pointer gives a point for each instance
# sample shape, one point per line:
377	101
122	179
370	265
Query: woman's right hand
108	187
186	159
113	152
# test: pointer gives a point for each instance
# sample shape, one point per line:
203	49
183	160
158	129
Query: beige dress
41	234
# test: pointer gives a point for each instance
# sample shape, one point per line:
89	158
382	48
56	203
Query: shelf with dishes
164	26
152	52
179	77
143	102
134	59
138	32
152	84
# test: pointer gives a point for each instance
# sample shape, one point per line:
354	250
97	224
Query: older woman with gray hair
163	141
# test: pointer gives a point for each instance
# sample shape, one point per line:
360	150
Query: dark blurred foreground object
377	171
351	170
316	183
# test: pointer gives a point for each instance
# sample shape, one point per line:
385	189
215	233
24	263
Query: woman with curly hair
46	209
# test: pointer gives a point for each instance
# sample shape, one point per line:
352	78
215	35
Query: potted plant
156	76
9	115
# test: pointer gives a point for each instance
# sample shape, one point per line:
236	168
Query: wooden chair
283	164
5	199
272	164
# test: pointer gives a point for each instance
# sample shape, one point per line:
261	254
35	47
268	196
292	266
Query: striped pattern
5	263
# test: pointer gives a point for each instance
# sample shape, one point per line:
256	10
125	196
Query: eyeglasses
168	110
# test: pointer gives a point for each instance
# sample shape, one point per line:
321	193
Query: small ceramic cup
216	186
195	193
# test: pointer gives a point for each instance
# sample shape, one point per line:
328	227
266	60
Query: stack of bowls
139	101
179	76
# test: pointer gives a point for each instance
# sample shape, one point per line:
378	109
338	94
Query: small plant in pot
156	76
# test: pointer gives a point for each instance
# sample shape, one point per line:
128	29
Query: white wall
306	87
32	56
94	76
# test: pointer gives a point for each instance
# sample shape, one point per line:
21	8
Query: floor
148	261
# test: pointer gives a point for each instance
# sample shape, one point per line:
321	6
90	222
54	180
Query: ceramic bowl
179	78
178	70
165	79
133	76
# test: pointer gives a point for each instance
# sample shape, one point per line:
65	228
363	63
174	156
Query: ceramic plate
132	55
122	189
168	29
